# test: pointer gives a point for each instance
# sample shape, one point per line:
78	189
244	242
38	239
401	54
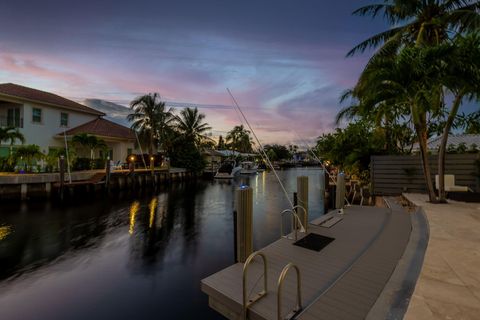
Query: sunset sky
283	60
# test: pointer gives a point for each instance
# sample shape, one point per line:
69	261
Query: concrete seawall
46	185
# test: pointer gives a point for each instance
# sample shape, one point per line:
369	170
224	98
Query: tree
190	123
350	148
221	144
460	75
238	139
11	134
415	22
151	119
407	84
28	153
89	141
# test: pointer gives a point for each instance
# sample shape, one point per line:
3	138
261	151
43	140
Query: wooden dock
342	281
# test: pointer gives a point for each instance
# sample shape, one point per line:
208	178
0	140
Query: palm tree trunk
422	141
443	147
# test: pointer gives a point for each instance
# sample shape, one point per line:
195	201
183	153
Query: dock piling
340	192
244	210
302	199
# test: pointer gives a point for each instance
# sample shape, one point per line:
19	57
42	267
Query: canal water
133	256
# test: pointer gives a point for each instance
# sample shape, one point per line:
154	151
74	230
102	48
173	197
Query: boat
261	167
228	169
248	167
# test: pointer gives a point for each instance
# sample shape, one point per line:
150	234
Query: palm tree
11	134
89	141
239	139
460	76
420	22
151	119
190	124
407	85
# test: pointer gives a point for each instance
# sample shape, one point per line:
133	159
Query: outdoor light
152	158
132	158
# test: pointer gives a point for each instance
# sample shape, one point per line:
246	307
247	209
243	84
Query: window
37	115
63	119
13	117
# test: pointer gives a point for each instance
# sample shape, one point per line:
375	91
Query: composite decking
342	281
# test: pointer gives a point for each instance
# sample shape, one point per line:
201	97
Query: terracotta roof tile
103	127
16	90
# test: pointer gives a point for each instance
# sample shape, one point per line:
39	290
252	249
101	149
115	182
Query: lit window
36	115
63	119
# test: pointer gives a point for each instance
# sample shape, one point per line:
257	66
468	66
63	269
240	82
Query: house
46	119
468	141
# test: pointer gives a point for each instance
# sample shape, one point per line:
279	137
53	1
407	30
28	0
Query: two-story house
45	119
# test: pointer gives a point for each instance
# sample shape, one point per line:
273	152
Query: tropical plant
221	143
422	24
460	76
190	124
91	142
11	134
406	84
415	22
152	120
238	139
28	154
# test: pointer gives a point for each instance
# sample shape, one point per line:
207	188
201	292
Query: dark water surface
135	257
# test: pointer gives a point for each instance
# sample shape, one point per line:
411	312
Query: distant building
45	118
454	141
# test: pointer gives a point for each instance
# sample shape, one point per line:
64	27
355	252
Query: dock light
152	158
243	186
132	158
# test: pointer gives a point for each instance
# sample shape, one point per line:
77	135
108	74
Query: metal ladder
298	306
261	294
295	222
248	302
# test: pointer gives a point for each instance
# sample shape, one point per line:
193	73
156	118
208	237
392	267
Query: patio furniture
450	186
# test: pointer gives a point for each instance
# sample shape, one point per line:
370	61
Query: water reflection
145	251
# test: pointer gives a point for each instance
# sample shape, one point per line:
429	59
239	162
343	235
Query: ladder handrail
295	221
281	278
305	222
244	280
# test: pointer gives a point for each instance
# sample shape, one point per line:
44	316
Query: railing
298	307
262	293
9	122
295	222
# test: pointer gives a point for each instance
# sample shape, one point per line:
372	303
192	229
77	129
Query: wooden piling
244	209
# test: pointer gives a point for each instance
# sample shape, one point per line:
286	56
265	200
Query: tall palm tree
11	134
151	119
418	23
239	139
408	85
460	76
190	124
426	22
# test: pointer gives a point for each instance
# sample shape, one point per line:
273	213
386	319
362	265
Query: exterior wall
42	134
392	175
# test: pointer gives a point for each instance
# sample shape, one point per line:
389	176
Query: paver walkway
449	283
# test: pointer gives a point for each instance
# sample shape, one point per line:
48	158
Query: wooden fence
392	175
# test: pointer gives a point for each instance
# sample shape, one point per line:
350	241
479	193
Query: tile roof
103	127
15	90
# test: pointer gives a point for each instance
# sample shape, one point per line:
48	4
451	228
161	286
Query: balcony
11	122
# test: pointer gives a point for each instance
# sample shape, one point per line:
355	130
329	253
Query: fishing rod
261	148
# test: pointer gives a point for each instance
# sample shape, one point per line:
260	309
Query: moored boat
228	170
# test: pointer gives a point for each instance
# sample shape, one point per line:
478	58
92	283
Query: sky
283	60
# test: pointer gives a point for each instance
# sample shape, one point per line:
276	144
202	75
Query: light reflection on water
131	257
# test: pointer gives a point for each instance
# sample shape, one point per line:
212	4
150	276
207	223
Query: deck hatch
314	242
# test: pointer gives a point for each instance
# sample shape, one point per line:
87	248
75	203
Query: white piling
302	198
